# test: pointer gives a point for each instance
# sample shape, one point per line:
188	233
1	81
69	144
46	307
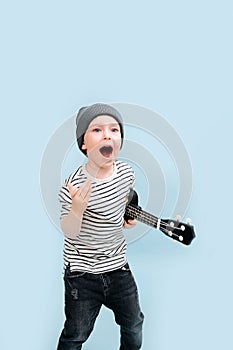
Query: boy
93	203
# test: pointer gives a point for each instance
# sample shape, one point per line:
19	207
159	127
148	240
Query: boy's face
102	140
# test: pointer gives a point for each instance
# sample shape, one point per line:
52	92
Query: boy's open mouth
106	151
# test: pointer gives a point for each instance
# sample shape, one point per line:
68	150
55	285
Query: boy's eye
115	129
96	129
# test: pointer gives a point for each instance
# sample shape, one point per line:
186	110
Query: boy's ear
84	147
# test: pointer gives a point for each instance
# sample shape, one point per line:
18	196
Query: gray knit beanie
87	114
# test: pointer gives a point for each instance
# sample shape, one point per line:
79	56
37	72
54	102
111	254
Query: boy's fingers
73	190
83	191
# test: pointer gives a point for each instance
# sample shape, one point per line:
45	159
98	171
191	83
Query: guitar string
151	220
148	218
138	213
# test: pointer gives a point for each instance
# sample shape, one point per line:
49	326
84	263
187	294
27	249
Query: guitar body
179	231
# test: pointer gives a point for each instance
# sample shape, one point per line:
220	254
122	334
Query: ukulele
179	231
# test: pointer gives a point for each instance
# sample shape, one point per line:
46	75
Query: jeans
85	293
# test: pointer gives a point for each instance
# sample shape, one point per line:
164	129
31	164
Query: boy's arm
71	223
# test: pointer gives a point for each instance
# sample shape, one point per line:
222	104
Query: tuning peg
171	224
188	221
178	217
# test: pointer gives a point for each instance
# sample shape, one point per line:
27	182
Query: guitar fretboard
141	215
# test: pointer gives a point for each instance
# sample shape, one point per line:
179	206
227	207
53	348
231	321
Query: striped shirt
100	246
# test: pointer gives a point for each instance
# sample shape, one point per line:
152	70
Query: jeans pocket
74	281
75	274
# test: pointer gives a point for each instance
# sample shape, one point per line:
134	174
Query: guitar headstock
179	231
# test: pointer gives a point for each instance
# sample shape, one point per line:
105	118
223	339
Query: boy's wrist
76	214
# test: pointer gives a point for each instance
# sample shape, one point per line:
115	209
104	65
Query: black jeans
85	293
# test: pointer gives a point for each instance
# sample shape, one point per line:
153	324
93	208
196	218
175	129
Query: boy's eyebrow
101	124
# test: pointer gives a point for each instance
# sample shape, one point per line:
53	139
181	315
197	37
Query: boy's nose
107	135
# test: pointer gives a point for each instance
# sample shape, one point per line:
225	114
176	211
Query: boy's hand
129	223
80	197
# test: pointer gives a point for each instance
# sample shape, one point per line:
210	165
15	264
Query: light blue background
174	57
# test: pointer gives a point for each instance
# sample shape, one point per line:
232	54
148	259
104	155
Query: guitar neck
142	215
